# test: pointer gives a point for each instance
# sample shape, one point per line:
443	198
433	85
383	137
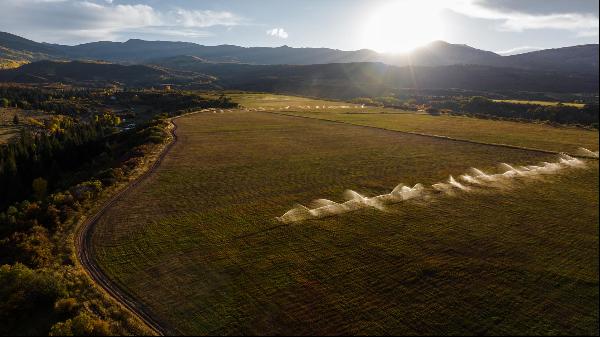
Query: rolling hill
578	59
333	80
18	43
95	73
347	80
15	51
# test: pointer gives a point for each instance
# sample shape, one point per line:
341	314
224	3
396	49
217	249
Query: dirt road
84	248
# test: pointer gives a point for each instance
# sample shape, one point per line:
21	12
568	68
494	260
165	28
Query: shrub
24	294
81	325
433	111
66	307
39	186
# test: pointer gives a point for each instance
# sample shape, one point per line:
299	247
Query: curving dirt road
84	247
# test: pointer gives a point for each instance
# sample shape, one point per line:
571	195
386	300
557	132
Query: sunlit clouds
87	20
402	25
382	25
278	32
513	20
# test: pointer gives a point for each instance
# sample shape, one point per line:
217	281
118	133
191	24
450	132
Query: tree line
47	155
42	291
483	107
49	100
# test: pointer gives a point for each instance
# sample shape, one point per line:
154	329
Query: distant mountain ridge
18	43
579	59
582	58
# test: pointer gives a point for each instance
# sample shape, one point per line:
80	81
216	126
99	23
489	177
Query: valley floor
199	244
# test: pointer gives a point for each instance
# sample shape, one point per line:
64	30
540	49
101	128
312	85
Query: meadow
199	243
531	135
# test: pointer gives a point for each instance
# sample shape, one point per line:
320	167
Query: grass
7	133
8	130
198	242
11	64
540	136
544	103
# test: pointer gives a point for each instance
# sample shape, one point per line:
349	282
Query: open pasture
539	136
199	244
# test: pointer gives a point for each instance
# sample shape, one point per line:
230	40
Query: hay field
539	136
199	243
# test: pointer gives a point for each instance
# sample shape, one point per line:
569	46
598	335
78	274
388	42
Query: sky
505	26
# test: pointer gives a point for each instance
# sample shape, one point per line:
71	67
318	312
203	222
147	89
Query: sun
402	25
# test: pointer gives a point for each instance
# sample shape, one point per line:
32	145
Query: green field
545	103
560	139
199	244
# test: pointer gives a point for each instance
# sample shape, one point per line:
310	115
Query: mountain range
307	71
582	59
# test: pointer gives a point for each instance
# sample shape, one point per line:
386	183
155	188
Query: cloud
511	20
278	32
579	23
542	7
64	21
518	50
201	18
169	32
